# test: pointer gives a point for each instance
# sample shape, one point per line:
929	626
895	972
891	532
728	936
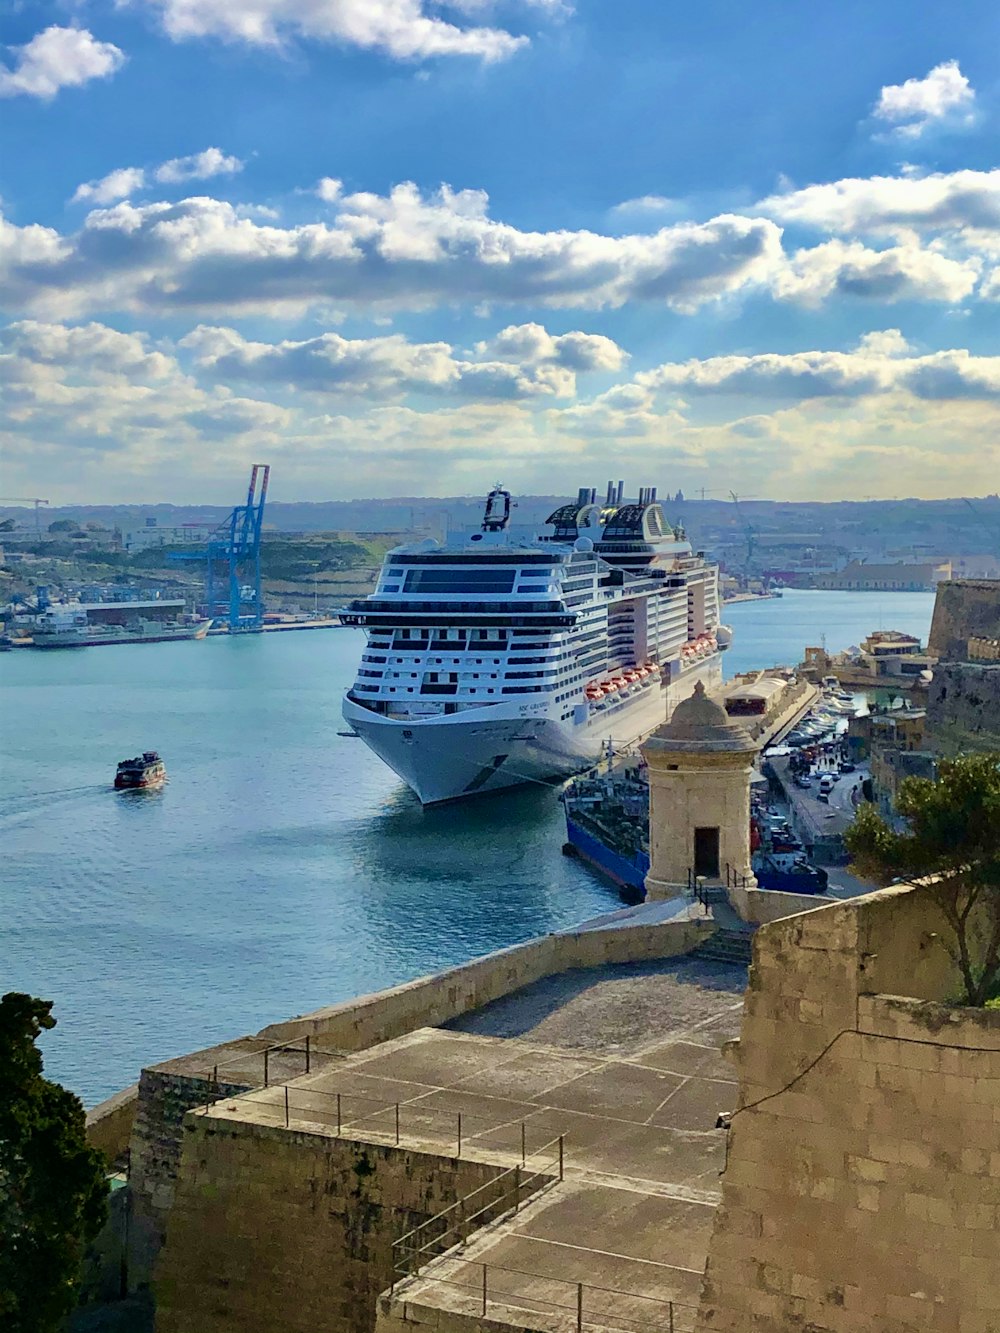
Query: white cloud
125	181
945	95
900	273
197	166
884	342
521	362
399	251
879	365
75	395
93	390
329	189
399	29
115	185
58	58
533	344
647	203
964	202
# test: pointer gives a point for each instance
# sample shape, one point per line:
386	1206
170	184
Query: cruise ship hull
504	745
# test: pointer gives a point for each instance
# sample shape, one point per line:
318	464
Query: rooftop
572	1056
699	724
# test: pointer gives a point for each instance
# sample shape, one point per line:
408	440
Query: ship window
460	580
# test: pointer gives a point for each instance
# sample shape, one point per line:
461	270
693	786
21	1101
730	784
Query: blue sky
399	246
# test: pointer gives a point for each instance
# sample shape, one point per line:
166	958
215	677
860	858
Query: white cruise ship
504	655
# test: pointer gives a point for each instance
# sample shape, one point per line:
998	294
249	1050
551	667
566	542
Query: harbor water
282	867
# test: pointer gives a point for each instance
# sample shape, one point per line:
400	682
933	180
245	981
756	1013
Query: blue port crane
232	561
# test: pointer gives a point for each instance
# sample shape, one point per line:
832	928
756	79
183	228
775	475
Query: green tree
8	525
951	847
64	525
53	1190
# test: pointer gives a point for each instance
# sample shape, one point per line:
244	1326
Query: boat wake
15	808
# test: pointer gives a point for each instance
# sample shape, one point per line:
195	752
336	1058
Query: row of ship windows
462	585
459	637
452	677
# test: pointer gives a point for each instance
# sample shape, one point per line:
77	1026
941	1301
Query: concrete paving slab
633	1093
601	1217
663	1155
696	1104
688	1058
437	1059
531	1075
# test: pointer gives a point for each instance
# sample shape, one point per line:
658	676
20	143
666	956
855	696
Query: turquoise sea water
283	867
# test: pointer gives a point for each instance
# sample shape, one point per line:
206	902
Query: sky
411	247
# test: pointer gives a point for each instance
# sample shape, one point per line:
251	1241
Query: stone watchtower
700	764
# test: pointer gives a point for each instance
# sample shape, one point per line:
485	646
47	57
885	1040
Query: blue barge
607	825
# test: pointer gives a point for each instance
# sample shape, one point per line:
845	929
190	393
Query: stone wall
164	1098
964	609
280	1229
167	1092
430	1001
109	1124
963	707
758	906
861	1187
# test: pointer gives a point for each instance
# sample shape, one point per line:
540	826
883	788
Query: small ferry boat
145	770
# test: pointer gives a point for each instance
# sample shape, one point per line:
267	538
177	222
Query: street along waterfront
282	866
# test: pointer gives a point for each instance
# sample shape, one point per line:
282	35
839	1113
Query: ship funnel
611	493
652	495
593	495
582	496
621	491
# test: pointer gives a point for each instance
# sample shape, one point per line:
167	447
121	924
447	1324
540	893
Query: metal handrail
342	1122
405	1250
670	1308
307	1049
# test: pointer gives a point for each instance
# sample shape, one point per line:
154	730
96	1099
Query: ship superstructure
506	655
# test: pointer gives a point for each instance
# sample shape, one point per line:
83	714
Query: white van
826	784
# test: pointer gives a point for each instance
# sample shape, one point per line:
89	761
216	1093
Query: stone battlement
860	1191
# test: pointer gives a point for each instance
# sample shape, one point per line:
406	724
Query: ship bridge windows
499	580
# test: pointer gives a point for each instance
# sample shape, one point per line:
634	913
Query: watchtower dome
700	764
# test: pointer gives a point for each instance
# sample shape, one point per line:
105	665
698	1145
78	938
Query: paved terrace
624	1062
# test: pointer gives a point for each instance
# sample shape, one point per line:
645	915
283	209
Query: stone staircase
727	945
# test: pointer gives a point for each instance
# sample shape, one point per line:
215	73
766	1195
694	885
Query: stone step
726	946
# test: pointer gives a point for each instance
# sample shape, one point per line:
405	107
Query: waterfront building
860	576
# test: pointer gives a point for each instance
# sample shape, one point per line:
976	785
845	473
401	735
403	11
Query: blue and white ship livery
505	655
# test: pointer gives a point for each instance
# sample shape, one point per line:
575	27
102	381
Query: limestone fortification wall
109	1124
758	906
963	707
166	1094
963	609
430	1001
163	1101
292	1230
863	1174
